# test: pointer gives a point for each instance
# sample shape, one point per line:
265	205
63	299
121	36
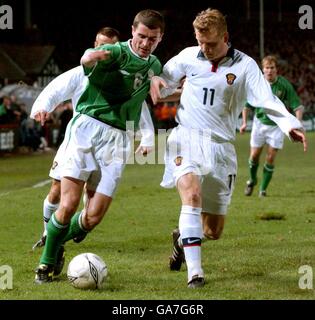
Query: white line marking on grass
4	194
41	184
37	185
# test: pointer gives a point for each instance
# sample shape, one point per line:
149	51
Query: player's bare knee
68	207
193	196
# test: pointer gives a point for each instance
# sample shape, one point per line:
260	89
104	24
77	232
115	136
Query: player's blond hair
210	20
269	59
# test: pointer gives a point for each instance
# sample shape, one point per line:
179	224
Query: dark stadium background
71	25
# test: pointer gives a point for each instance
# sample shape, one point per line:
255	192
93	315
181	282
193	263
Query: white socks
48	210
190	228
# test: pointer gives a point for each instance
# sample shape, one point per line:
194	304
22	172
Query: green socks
267	175
58	234
253	167
76	229
55	235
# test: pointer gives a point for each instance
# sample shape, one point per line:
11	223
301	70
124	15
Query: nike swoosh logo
193	74
189	241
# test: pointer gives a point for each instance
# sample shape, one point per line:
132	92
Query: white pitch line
4	194
41	184
37	185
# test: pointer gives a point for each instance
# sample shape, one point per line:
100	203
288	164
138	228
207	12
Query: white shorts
193	151
95	153
264	134
55	170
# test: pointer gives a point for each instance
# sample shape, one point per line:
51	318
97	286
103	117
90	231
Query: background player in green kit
99	146
264	130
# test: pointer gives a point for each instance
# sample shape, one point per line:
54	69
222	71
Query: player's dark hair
151	19
109	32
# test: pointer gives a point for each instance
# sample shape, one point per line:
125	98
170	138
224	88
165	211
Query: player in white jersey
69	85
200	159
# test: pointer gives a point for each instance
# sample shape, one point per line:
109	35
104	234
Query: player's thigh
189	189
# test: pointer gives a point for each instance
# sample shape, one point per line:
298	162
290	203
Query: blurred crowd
295	49
30	135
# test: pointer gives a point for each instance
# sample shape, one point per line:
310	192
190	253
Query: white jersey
70	85
67	86
213	96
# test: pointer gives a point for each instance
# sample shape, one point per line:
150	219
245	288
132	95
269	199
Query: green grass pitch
264	243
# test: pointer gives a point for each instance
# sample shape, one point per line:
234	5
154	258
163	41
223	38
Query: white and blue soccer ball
87	271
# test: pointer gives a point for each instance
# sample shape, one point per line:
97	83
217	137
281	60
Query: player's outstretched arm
244	120
146	128
90	58
298	136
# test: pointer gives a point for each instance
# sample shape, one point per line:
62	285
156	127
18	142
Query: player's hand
41	117
156	84
298	136
243	128
144	150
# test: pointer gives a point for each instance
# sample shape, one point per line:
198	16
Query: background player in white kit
200	159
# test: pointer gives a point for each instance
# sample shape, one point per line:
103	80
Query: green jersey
118	86
2	110
284	90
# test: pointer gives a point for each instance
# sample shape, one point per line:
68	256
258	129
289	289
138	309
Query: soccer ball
87	271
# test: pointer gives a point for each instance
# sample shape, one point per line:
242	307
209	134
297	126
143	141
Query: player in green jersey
51	202
264	130
99	145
